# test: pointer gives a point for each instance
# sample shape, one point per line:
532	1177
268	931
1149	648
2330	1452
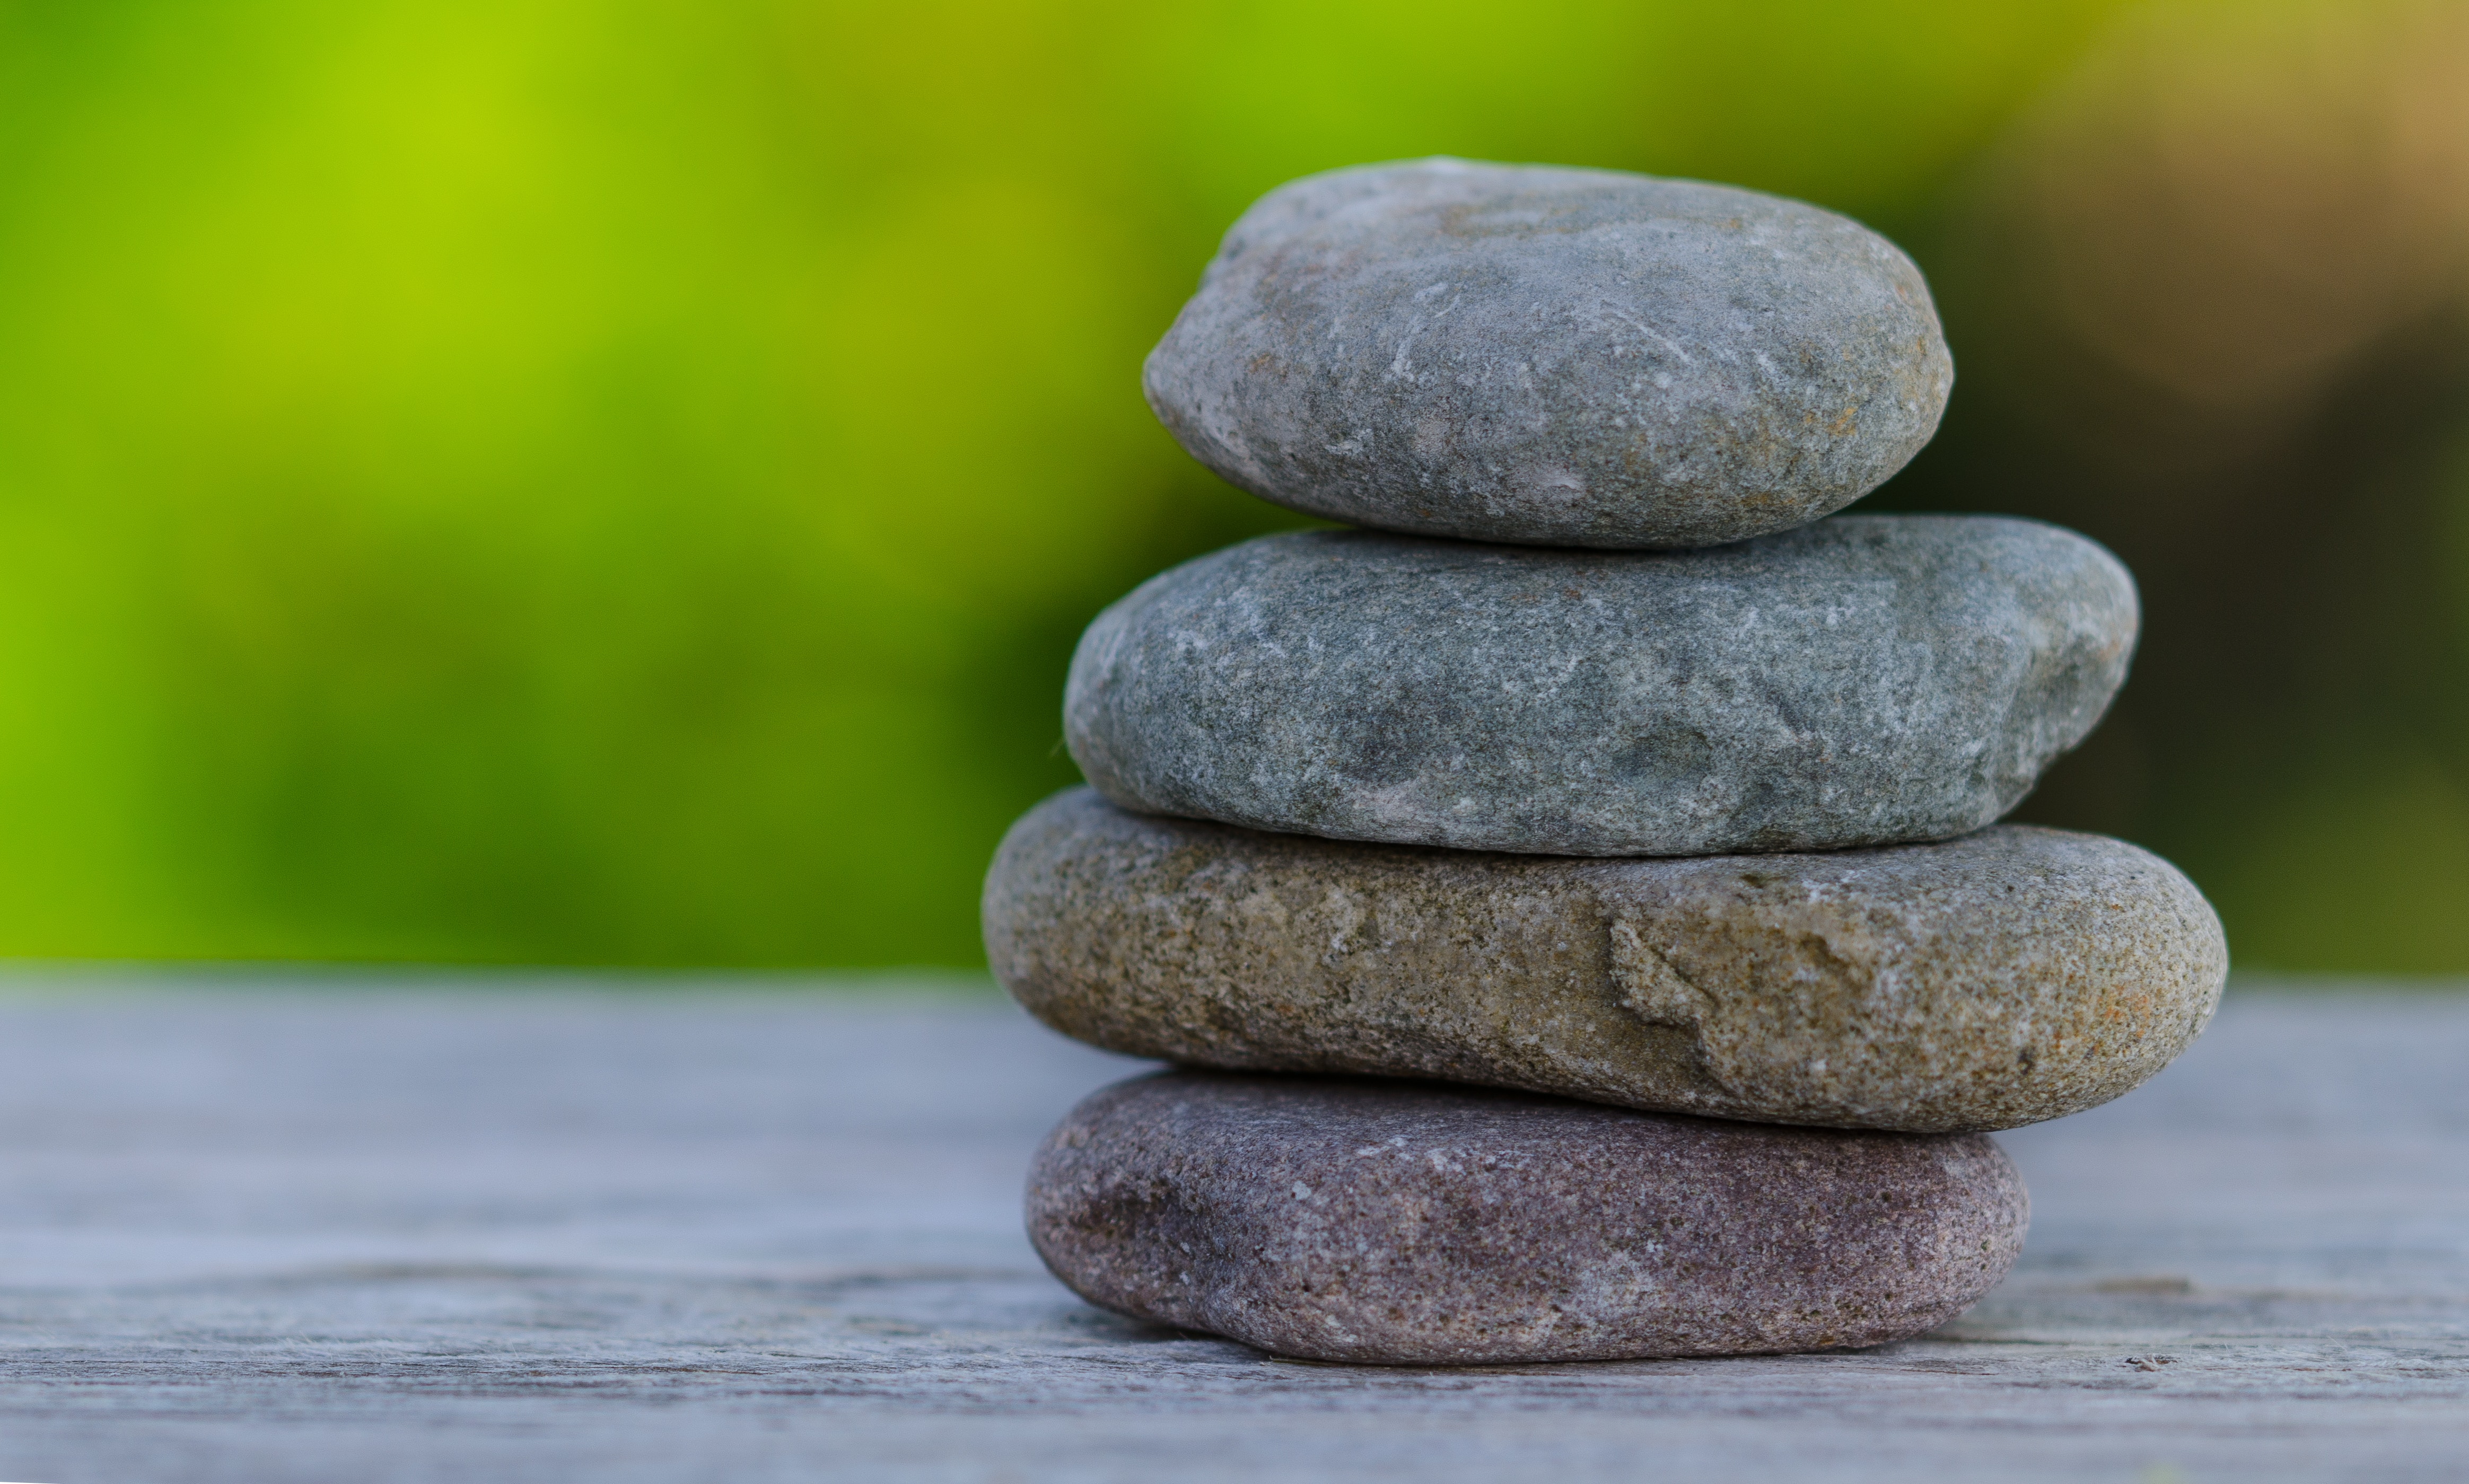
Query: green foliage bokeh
619	481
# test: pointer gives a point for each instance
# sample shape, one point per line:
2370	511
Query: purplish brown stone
1407	1223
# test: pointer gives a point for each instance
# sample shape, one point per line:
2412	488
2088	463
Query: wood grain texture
324	1231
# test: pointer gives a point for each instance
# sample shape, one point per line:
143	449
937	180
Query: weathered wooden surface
378	1234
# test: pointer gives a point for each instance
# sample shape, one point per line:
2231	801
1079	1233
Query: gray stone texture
1999	979
1863	681
1570	358
1416	1224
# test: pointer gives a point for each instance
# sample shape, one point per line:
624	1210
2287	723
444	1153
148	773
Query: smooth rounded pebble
1570	358
1865	680
1996	980
1419	1226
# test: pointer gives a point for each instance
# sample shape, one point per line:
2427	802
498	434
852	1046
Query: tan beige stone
2005	977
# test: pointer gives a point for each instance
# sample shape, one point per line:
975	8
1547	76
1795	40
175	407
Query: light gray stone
1570	358
1416	1224
1999	979
1863	680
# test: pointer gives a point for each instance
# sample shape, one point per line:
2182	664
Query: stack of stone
1606	838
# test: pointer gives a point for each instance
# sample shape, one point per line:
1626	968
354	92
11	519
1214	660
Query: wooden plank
508	1231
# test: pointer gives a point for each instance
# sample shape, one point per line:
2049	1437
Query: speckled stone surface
1863	681
1565	357
2006	977
1418	1225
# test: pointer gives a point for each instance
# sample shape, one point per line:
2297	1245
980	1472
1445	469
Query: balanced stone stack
1576	899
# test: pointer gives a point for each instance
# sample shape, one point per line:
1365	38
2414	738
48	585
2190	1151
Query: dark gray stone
2002	978
1417	1224
1565	357
1865	680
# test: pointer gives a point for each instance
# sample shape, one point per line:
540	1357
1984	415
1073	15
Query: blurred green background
617	482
